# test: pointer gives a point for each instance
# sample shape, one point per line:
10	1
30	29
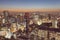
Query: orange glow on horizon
32	10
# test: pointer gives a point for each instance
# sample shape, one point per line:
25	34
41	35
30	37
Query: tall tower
27	21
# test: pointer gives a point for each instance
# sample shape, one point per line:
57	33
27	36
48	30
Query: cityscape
29	26
29	19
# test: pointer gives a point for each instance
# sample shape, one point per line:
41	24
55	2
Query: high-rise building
6	15
54	22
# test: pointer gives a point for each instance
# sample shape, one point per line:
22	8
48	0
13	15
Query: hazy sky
28	4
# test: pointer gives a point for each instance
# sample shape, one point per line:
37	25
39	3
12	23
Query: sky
29	4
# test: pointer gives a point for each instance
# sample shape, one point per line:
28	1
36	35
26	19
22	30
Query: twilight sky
28	4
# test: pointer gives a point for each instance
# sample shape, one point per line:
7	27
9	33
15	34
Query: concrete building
54	22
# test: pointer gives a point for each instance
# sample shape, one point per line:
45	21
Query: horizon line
33	10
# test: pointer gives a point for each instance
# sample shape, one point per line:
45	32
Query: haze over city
30	5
